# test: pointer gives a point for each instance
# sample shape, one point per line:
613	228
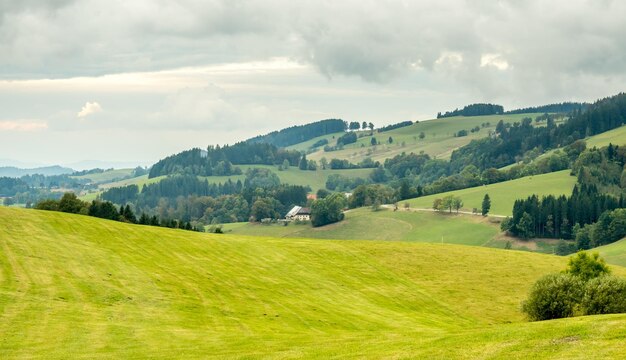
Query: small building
299	213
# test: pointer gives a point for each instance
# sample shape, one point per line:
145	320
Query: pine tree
304	164
486	205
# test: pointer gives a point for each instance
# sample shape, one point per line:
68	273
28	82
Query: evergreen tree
486	206
304	164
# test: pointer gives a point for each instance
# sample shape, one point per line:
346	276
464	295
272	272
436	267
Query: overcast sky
134	81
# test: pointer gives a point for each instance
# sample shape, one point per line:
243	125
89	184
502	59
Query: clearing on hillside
504	194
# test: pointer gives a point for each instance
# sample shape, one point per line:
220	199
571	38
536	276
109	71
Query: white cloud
494	60
88	109
21	125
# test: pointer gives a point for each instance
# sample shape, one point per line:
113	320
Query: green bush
604	295
587	267
553	296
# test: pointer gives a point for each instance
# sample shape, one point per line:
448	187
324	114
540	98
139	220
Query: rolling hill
439	140
504	194
78	287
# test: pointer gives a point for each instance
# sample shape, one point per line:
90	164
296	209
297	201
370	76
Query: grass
78	287
439	141
107	176
616	137
614	253
504	194
365	224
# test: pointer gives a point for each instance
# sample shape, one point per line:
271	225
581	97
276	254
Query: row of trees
355	125
69	203
448	203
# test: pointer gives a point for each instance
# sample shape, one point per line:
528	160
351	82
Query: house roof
293	211
298	210
304	211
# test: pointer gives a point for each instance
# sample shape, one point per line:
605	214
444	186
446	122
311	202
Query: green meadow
439	140
78	287
504	194
616	137
106	176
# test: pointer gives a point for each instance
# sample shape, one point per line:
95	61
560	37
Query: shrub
587	267
604	295
553	296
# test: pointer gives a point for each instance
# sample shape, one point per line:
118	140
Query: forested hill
218	160
564	108
512	141
300	133
474	110
11	171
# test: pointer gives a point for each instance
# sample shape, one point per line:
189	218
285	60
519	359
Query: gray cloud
382	61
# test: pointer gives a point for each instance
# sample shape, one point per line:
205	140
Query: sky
122	83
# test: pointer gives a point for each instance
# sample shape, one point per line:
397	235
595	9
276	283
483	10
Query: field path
391	206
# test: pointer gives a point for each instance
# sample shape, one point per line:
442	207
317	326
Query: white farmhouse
299	213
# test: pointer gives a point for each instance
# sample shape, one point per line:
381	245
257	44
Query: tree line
300	133
474	110
69	203
218	160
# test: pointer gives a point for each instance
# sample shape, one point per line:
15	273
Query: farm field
364	224
504	194
401	225
78	287
439	140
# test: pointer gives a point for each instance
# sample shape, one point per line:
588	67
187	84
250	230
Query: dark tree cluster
347	138
557	217
319	143
395	126
474	110
70	203
338	182
300	133
562	108
11	186
328	210
219	161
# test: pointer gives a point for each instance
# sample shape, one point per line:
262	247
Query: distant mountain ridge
12	171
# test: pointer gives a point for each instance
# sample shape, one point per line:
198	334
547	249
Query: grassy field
366	224
415	226
615	137
107	176
78	287
439	140
504	194
614	253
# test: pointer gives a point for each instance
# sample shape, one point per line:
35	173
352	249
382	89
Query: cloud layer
197	72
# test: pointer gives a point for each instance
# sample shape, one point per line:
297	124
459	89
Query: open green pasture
504	194
78	287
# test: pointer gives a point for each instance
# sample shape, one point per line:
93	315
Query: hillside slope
504	194
79	287
439	138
